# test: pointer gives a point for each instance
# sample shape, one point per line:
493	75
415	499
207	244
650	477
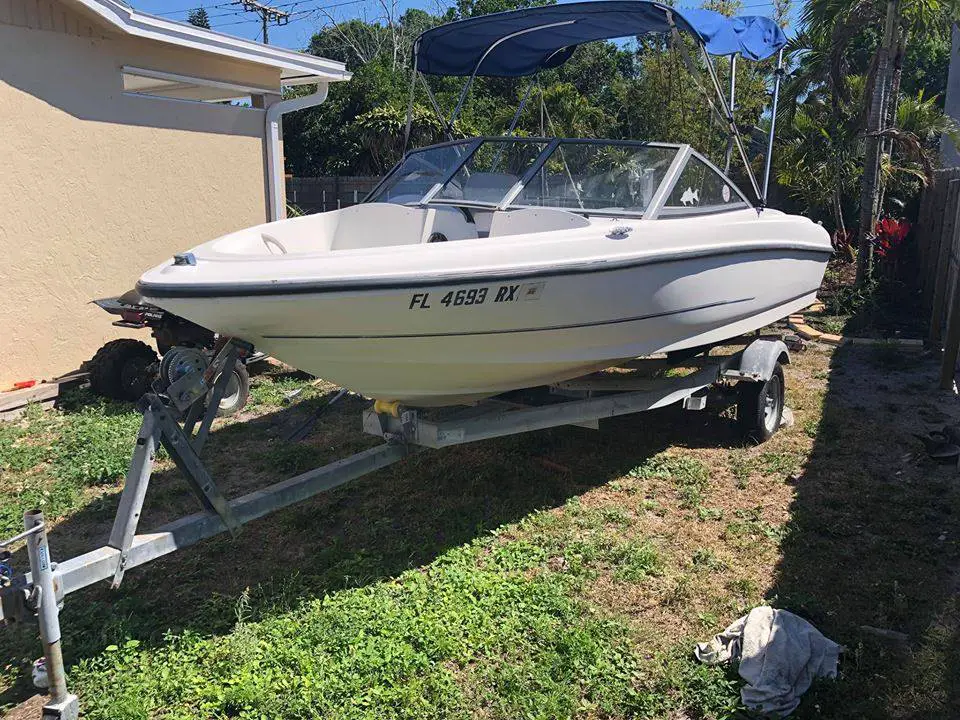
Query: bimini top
522	42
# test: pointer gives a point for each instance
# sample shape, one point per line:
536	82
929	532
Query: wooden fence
938	248
319	194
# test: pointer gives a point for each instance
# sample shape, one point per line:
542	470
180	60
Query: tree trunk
870	187
897	75
886	147
838	213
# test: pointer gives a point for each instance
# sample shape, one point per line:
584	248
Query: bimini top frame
524	42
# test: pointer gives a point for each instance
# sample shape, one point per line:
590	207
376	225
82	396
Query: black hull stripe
599	323
312	287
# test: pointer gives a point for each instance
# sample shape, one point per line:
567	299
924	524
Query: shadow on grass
372	528
873	541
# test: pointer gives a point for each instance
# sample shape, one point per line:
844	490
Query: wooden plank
936	224
950	296
939	210
921	232
953	271
951	345
6	415
46	393
926	232
938	311
18	398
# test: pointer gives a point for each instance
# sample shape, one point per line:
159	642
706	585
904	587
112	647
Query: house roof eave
299	67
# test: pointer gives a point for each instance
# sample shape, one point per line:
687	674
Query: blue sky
308	16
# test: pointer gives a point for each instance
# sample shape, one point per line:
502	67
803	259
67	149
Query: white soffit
144	81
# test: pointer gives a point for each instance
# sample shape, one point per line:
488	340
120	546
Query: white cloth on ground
780	655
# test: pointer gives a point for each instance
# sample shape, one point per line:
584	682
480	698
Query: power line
191	9
237	22
294	15
219	5
268	14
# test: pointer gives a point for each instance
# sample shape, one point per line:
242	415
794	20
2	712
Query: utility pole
267	15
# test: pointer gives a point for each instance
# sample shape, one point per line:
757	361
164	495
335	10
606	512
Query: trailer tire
237	392
760	406
122	369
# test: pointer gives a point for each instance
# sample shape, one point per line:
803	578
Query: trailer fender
758	361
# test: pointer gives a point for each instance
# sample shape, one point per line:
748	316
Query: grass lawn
557	574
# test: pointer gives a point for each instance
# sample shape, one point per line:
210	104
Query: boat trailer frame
180	417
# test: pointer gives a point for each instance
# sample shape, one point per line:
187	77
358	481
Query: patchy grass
551	575
689	475
833	324
428	644
52	460
706	559
633	561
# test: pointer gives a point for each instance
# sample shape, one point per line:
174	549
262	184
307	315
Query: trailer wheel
237	392
122	369
760	406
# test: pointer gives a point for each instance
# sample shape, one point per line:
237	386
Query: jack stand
62	704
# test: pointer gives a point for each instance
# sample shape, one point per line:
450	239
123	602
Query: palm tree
881	91
821	161
832	25
570	114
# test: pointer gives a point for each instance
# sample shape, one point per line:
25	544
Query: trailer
179	412
124	369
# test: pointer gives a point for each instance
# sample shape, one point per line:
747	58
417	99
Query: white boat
491	264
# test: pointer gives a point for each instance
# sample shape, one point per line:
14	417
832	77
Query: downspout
276	196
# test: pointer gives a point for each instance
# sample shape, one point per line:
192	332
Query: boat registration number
466	297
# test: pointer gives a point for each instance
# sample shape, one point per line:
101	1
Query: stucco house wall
98	185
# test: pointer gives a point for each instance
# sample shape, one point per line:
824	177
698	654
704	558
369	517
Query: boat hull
445	342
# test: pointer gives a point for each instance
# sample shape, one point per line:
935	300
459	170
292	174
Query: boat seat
372	225
442	224
533	220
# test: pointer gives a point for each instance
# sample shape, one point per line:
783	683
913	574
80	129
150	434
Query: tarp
752	36
522	42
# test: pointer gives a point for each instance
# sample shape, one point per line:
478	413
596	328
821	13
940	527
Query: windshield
607	177
493	170
420	171
588	175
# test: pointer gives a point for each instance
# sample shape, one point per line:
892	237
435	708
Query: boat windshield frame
683	153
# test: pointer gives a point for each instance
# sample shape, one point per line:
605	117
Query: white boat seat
532	220
443	224
371	225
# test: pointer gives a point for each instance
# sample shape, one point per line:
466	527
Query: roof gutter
275	185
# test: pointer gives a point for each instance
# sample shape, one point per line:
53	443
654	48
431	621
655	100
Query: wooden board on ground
15	402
